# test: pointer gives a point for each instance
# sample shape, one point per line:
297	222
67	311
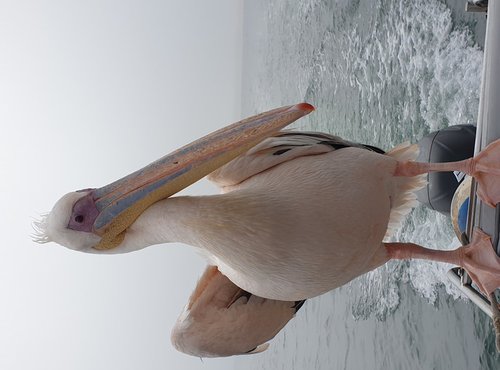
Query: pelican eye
79	219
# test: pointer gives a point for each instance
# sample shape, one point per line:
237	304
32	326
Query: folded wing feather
284	146
221	319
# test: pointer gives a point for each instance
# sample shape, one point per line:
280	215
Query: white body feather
294	230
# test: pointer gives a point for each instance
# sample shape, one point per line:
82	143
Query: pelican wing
221	319
284	146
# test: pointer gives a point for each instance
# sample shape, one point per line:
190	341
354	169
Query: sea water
379	72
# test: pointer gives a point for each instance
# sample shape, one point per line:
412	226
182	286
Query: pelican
299	214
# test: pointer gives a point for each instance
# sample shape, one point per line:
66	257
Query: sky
89	92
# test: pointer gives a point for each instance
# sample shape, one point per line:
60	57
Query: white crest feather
40	230
53	226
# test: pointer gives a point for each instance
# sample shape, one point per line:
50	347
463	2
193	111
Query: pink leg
478	259
485	167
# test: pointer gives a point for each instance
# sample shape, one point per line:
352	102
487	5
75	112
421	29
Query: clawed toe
486	171
481	262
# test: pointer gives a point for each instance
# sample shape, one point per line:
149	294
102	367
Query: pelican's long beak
114	207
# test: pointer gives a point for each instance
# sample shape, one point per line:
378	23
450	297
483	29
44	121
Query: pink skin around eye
84	214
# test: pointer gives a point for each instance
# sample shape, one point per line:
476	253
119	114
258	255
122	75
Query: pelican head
94	220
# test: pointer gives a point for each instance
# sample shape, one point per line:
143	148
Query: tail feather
404	197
